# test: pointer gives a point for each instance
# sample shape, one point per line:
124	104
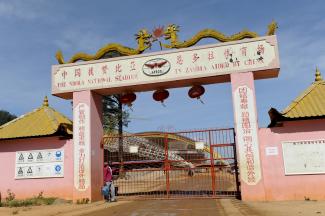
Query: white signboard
270	151
201	61
304	157
199	145
134	149
246	135
81	143
47	163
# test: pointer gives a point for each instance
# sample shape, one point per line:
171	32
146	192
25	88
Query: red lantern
160	95
196	92
128	98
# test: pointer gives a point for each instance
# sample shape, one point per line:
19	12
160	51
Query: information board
304	157
46	163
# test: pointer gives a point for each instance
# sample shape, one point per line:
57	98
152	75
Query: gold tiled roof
309	104
43	121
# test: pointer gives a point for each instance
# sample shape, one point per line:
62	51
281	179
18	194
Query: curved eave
63	131
277	118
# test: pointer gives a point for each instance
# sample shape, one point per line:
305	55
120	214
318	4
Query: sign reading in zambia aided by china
255	55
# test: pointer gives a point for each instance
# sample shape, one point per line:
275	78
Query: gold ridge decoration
171	34
143	39
272	28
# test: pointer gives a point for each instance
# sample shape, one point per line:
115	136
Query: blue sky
32	31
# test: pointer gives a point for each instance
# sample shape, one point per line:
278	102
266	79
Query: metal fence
186	164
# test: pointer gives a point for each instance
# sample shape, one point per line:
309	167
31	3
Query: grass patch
35	201
30	202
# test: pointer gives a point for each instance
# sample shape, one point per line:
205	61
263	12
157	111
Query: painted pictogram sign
40	164
30	171
30	156
20	171
21	157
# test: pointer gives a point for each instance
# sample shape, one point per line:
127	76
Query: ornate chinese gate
162	166
174	165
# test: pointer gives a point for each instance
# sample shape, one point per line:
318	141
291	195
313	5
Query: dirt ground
193	207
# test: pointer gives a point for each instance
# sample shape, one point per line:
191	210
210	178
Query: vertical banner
81	142
247	138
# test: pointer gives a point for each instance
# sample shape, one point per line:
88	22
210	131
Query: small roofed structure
36	153
310	104
43	121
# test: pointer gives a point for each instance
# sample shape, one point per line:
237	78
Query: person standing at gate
109	188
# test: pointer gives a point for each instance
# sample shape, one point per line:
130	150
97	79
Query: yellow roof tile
309	104
43	121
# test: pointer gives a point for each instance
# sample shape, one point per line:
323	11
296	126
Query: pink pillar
88	154
247	140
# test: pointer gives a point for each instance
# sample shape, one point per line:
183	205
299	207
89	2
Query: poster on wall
304	157
48	163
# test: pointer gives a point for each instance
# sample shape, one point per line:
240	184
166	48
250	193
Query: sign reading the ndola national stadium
148	71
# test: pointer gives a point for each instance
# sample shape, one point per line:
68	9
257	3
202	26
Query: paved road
192	207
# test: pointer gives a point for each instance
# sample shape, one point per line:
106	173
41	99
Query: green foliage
113	113
114	118
10	196
5	117
35	201
83	201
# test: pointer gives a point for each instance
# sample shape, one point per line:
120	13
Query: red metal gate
199	163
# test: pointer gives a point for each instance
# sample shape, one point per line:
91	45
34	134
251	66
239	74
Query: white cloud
21	9
78	40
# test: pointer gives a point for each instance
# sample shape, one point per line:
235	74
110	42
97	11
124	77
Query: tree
114	117
5	117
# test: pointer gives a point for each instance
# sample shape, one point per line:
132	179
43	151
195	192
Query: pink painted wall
23	188
248	192
94	101
292	187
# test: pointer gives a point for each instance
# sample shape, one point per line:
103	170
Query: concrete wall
23	188
277	185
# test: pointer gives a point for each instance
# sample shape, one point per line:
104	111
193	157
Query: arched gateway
241	59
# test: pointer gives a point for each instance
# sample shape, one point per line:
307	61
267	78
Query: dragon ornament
172	31
143	40
272	28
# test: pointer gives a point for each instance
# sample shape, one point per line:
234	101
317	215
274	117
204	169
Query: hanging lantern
196	92
160	95
128	98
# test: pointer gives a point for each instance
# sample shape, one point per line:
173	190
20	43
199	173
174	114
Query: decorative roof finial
318	75
45	102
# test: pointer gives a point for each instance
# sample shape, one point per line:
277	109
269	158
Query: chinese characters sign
304	157
246	132
81	143
39	164
191	63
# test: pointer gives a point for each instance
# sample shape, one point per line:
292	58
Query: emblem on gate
156	67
